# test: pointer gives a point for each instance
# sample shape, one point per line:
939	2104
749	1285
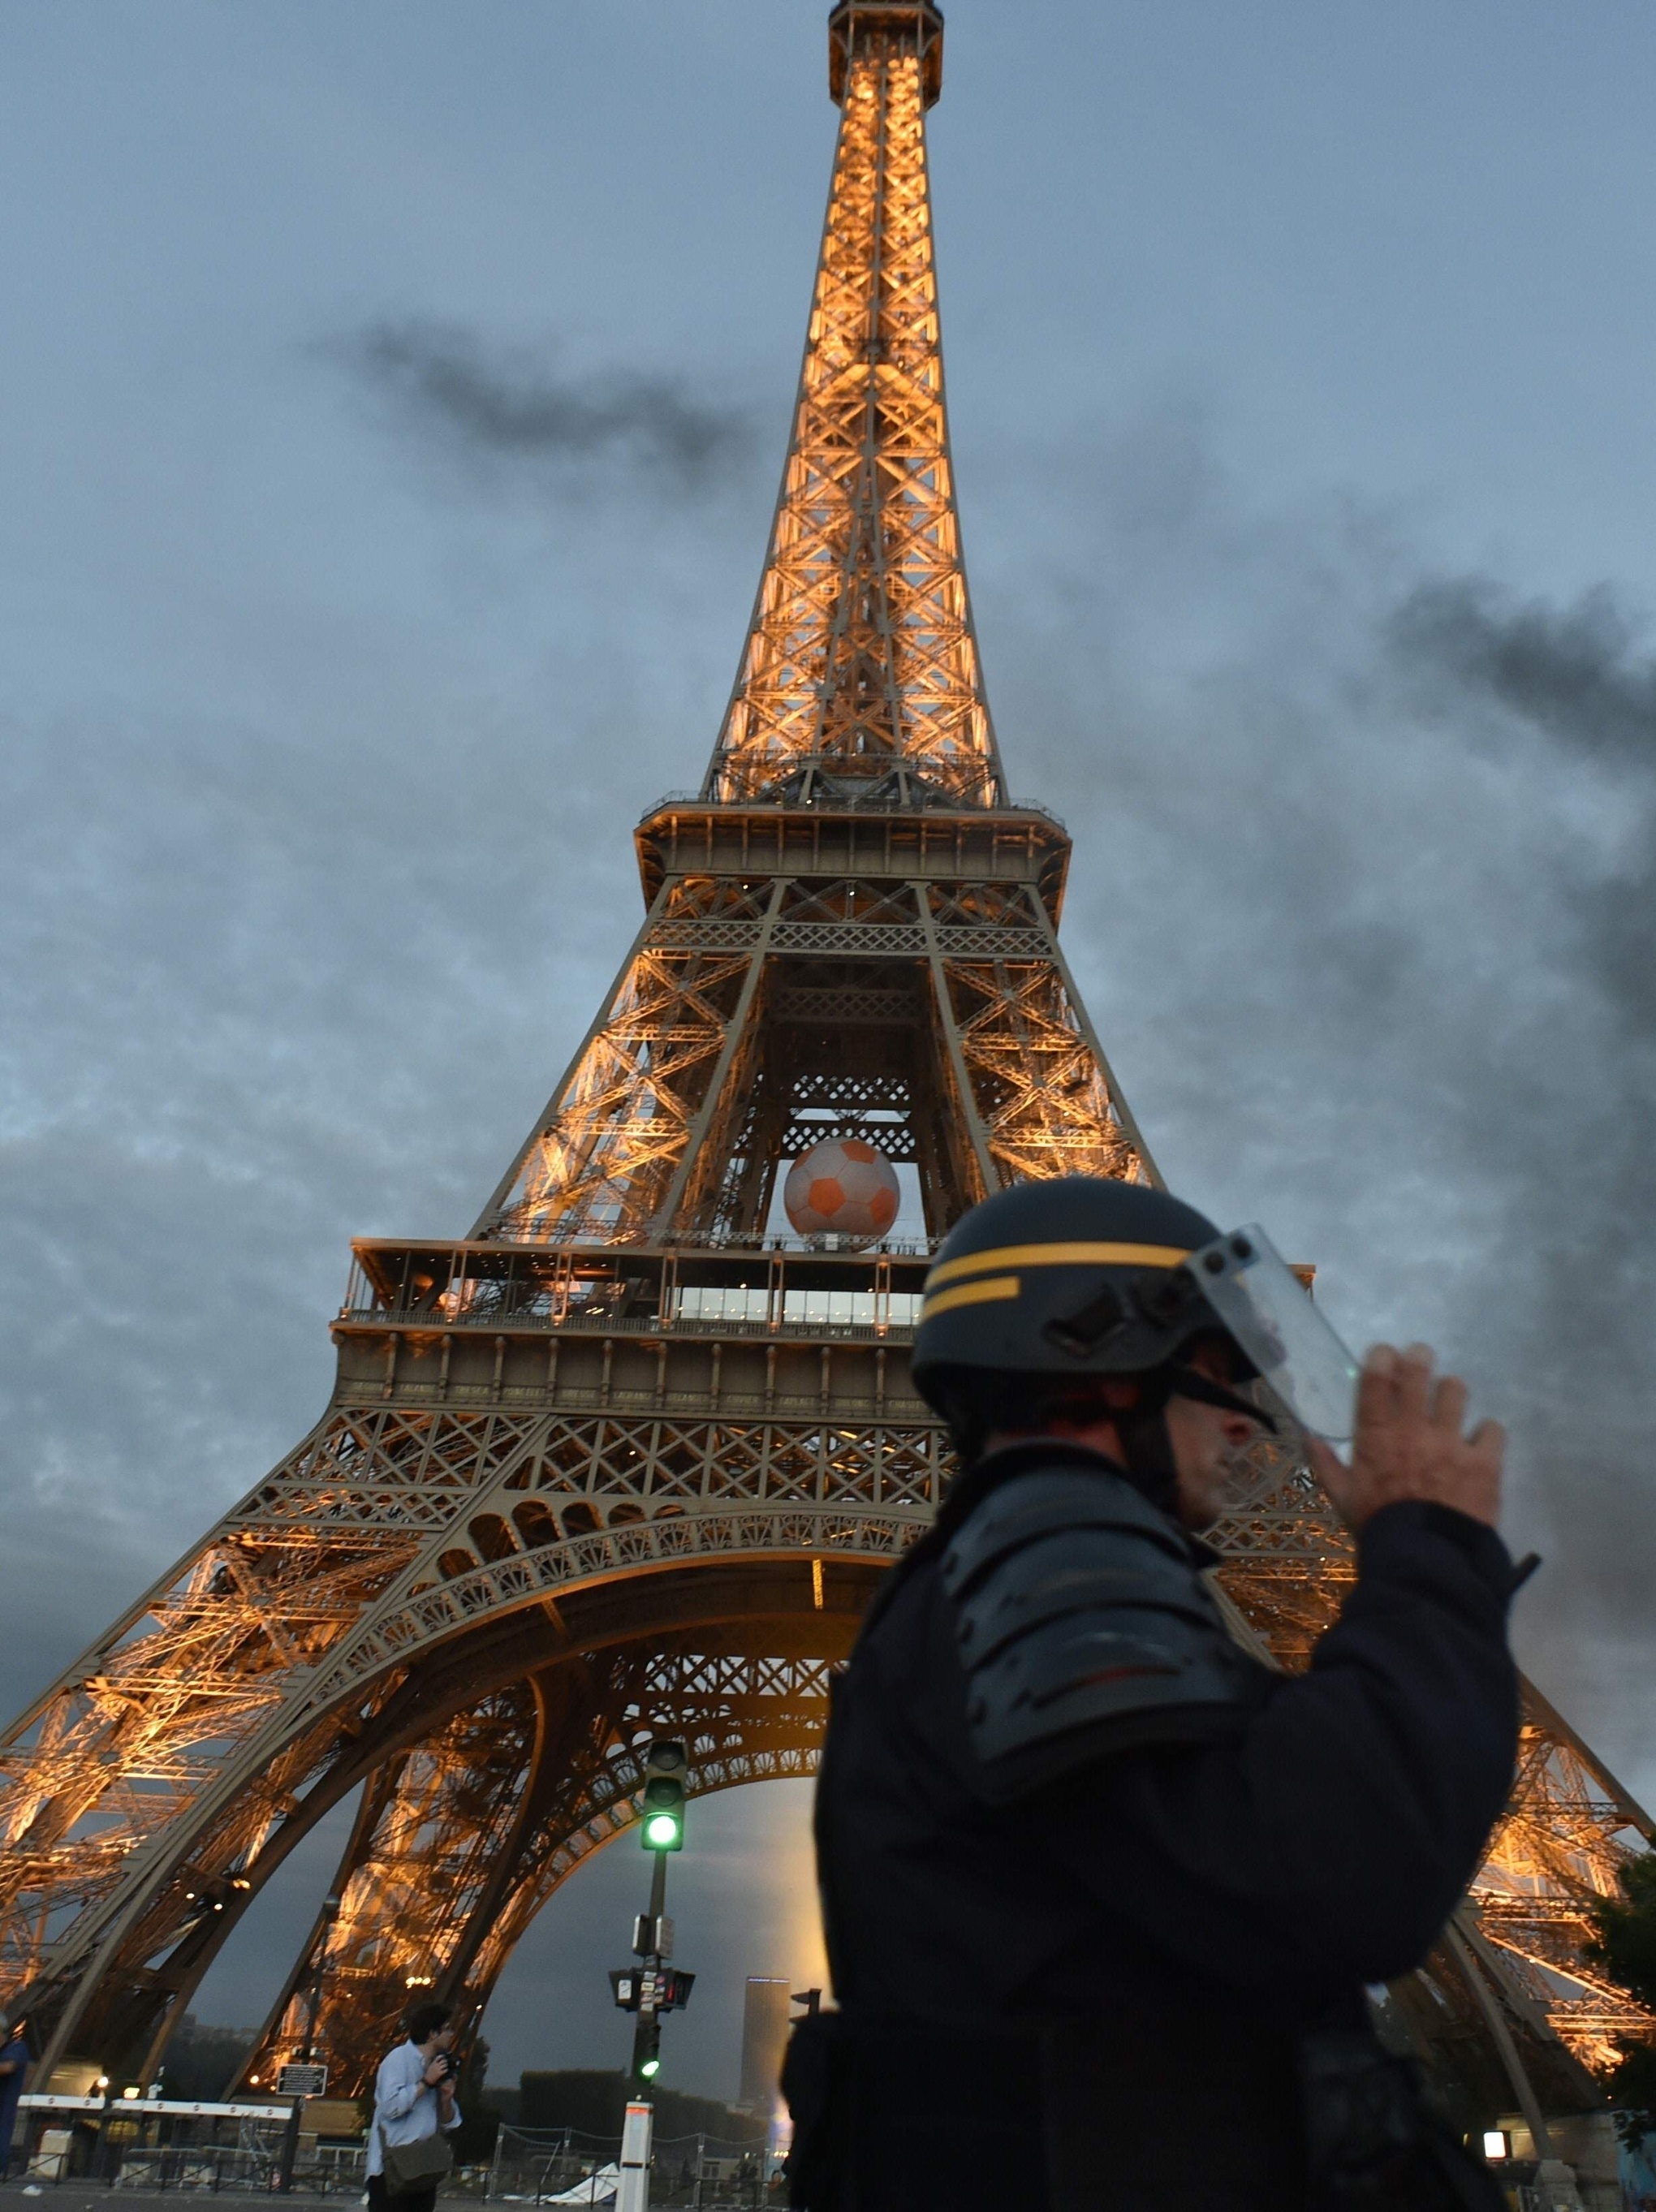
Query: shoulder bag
413	2166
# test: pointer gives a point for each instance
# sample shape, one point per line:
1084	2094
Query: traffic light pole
651	1988
632	2183
647	2034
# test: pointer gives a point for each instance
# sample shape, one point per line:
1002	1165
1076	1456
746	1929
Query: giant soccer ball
842	1187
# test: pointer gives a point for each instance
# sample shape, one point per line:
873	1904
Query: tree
200	2060
593	2104
473	2141
1625	1949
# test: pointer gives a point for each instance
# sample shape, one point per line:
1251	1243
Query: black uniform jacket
1126	1956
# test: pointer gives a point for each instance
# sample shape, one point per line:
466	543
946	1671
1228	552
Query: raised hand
1409	1443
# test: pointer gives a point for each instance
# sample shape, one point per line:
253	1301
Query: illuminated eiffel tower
625	1460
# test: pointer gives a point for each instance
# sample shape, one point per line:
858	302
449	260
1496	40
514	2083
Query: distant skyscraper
764	2037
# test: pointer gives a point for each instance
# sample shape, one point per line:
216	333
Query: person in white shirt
413	2098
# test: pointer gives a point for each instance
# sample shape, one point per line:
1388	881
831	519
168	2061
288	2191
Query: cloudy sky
394	400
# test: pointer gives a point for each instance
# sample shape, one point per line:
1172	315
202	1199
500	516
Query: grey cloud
1574	671
1576	676
512	409
1584	1192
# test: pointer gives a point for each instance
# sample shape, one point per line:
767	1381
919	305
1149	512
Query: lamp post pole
647	2034
101	2148
308	2049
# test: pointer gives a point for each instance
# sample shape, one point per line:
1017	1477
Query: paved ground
83	2196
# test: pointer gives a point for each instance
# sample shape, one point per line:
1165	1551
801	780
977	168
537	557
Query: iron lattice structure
623	1460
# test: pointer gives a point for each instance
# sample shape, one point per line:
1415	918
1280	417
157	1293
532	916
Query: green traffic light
661	1801
650	2068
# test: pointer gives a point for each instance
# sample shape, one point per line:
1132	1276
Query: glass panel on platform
714	1302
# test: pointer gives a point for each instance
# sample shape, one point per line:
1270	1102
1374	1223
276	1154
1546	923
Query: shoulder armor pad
1084	1626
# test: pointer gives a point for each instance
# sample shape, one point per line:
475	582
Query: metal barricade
156	2145
561	2166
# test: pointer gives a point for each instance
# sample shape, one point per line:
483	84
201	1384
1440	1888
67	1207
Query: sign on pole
302	2080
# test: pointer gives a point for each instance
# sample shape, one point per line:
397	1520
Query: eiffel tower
627	1461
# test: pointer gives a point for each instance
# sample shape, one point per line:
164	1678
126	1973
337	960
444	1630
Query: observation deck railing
775	1291
898	1330
877	802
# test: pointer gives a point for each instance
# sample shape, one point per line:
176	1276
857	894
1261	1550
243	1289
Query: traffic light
661	1805
647	2048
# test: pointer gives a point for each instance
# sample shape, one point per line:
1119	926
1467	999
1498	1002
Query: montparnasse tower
630	1457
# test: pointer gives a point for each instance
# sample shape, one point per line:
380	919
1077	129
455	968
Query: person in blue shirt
14	2072
413	2098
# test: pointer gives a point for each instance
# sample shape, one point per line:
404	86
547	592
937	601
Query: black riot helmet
1048	1285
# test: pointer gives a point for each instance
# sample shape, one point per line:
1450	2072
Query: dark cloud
1581	1236
1573	672
511	408
1576	676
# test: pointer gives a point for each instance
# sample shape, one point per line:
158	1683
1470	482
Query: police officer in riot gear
1102	1890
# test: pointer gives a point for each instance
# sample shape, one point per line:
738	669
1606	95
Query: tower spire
861	677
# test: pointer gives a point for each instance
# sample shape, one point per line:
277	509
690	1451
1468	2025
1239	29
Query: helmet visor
1269	1311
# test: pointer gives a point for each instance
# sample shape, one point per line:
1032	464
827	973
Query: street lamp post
100	2145
307	2049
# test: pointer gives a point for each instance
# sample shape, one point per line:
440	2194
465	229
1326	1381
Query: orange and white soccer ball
844	1187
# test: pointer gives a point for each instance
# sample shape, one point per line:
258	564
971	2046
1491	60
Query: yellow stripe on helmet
989	1292
1054	1255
